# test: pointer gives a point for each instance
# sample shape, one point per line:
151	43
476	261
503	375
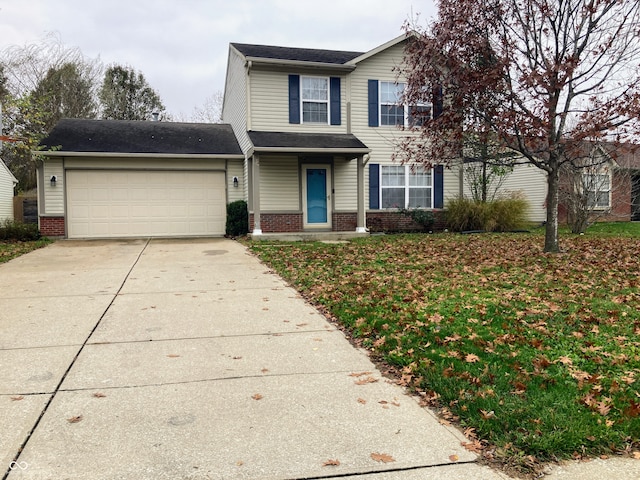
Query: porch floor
308	236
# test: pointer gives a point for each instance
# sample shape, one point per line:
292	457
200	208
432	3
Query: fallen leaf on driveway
360	374
99	395
382	457
173	355
76	419
454	458
365	380
362	401
257	396
328	463
17	398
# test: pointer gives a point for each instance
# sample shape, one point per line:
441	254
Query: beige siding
345	183
53	196
279	184
270	103
6	193
451	183
529	181
234	109
235	168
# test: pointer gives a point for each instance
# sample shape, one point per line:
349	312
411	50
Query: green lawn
12	249
535	356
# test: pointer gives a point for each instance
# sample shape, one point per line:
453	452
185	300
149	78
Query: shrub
501	215
424	218
237	219
23	232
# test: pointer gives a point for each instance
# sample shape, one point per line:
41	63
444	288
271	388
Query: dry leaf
454	458
76	419
17	398
328	463
173	355
264	370
365	380
475	446
382	457
99	395
360	374
257	396
636	455
362	401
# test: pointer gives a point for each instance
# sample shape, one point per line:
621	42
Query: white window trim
610	180
405	106
407	187
327	102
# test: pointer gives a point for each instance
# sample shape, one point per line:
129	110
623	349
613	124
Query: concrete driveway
187	359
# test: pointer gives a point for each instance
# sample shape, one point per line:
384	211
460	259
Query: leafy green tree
126	95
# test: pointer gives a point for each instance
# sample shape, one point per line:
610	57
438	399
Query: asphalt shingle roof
317	141
337	57
127	136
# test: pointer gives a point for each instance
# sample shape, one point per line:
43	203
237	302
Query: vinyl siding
235	168
344	184
451	182
270	103
6	193
234	109
53	196
279	184
529	181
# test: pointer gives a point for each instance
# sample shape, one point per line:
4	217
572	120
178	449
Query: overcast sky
181	46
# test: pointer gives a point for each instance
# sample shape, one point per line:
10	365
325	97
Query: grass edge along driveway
535	356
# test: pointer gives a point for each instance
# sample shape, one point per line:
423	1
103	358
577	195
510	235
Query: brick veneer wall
345	222
52	226
278	222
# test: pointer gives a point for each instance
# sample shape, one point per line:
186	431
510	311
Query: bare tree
211	110
543	75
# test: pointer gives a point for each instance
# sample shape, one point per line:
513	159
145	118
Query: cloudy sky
181	46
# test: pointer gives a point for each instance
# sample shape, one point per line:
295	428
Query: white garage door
121	203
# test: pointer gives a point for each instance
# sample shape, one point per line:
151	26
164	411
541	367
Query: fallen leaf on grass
382	457
76	419
17	398
257	396
329	463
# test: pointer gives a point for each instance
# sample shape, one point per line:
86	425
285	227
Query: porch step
308	236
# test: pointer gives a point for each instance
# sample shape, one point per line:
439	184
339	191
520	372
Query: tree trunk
551	232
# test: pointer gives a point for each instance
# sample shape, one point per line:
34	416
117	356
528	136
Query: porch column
255	166
361	223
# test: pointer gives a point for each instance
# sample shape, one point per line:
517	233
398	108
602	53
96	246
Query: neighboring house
7	185
607	190
112	178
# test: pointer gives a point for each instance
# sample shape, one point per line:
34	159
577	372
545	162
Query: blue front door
317	208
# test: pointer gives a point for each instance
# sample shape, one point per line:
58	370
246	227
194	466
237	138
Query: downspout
249	65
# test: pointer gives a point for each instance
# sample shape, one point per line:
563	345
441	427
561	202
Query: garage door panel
104	204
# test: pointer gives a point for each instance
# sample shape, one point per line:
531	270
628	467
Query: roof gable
140	137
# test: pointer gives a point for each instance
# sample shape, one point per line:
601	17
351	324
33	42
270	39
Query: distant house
609	189
7	186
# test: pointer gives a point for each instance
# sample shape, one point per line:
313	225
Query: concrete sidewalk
187	359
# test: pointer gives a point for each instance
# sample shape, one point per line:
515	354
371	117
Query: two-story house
318	130
308	141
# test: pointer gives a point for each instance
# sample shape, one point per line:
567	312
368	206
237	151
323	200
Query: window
393	112
315	99
598	189
403	188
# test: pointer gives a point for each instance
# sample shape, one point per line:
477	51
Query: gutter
59	153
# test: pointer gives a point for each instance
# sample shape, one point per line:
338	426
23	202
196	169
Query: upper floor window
402	187
315	99
394	112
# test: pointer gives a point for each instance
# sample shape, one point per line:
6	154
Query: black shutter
438	186
374	186
294	98
373	103
437	101
334	87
